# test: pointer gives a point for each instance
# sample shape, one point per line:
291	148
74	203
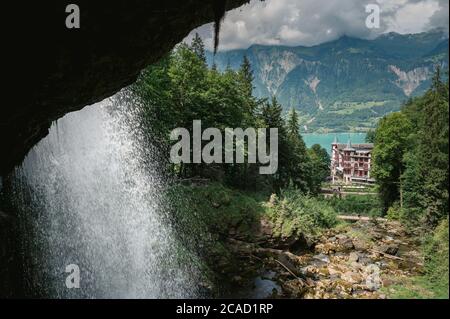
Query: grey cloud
440	19
310	22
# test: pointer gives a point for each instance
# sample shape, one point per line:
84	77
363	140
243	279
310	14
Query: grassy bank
435	281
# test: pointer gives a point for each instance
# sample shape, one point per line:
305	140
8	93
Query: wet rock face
51	70
10	266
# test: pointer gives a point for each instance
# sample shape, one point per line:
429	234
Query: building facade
351	163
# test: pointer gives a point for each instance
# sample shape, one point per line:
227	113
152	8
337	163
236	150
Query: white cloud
412	17
310	22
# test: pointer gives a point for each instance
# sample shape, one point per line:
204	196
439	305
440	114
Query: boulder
346	244
356	265
296	287
352	277
326	248
390	249
360	244
372	277
322	257
353	257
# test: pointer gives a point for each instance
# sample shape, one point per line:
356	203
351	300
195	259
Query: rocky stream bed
356	260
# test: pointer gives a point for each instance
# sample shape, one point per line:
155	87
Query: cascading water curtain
89	195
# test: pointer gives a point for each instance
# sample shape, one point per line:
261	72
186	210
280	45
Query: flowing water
89	194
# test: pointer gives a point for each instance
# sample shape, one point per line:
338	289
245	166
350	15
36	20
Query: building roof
355	147
349	147
335	140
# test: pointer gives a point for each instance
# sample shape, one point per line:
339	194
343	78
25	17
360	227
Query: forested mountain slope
346	84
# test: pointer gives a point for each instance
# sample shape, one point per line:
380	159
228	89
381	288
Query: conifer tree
433	150
299	162
246	74
198	47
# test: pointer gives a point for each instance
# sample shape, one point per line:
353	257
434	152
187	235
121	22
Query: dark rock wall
50	70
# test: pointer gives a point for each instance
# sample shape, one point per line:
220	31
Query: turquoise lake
325	140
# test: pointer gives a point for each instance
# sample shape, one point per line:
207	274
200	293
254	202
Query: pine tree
246	74
433	150
270	116
298	161
293	123
319	167
198	47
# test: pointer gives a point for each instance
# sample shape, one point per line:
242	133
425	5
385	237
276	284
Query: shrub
410	216
436	259
365	205
211	210
296	214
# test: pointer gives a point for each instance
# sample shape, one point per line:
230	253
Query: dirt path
362	218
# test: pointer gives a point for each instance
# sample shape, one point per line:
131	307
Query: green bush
433	284
296	214
204	216
212	210
395	212
436	260
365	205
410	216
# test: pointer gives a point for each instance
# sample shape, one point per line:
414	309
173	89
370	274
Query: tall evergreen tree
293	124
246	74
198	47
433	150
319	168
270	115
298	159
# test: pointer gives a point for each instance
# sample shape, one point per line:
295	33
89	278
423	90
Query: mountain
346	84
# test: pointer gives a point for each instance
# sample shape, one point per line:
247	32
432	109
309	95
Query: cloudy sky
310	22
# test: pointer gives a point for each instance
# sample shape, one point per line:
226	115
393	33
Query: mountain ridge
346	84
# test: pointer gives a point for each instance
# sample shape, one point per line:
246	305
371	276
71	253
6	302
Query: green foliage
432	151
364	205
198	47
296	214
390	146
370	136
246	75
181	89
214	208
434	284
319	167
436	260
212	213
299	163
411	156
417	287
421	173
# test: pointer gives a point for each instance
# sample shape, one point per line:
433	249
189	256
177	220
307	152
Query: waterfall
89	194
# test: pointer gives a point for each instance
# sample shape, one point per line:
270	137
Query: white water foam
89	194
